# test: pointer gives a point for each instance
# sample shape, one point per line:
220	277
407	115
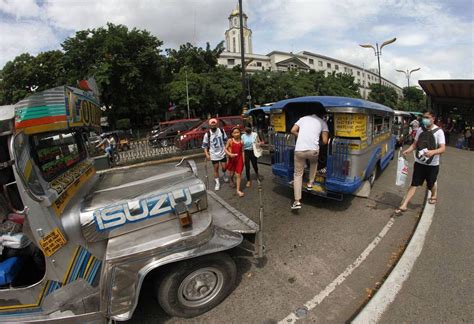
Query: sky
436	36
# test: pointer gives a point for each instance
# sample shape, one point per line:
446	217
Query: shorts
423	172
223	160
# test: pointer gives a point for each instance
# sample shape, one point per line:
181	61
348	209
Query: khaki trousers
300	163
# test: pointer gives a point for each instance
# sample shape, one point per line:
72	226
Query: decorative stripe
40	121
45	128
83	265
40	112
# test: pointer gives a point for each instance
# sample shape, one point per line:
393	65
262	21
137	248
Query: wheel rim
201	287
164	143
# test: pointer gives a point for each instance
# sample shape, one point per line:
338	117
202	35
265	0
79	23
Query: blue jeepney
361	142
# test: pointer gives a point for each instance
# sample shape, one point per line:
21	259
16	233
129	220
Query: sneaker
226	178
217	187
248	184
296	205
309	187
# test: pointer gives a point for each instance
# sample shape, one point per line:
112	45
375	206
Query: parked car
164	134
193	138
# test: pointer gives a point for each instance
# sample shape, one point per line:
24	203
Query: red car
193	138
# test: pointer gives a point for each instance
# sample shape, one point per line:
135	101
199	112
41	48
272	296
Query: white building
284	61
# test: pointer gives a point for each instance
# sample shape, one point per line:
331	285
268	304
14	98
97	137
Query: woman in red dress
235	150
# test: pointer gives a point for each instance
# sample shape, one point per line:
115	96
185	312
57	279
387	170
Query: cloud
435	35
25	36
20	9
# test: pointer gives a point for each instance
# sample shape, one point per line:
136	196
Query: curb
375	308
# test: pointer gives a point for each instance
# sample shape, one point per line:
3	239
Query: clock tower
232	35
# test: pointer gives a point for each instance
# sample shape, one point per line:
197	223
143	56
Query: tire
125	148
176	290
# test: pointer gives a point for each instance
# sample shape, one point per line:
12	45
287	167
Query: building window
358	81
320	63
230	61
358	73
345	70
336	67
363	83
259	63
311	61
328	65
363	75
233	43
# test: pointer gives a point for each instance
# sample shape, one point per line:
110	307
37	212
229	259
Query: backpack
209	135
426	140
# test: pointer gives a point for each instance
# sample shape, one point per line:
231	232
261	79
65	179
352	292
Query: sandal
240	194
399	211
432	201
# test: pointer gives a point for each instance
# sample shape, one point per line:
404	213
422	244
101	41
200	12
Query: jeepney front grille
340	159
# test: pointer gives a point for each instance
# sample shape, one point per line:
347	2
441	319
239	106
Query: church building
287	61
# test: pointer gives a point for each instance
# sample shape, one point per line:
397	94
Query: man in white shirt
213	144
307	130
426	165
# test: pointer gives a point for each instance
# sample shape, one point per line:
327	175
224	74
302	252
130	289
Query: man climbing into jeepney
308	130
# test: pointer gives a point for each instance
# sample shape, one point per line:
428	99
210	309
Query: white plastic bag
257	149
402	171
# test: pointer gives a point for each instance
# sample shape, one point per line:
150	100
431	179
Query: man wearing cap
213	144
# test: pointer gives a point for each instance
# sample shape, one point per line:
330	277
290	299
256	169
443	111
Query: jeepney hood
126	200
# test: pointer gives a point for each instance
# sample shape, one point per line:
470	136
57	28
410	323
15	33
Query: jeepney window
378	125
57	152
386	124
26	166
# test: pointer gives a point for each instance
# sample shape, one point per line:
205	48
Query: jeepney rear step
232	220
318	189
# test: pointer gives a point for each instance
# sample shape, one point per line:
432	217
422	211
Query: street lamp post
378	52
408	73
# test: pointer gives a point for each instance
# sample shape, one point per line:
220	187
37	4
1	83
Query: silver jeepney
100	234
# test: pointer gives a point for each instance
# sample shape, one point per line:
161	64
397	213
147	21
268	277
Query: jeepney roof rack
336	104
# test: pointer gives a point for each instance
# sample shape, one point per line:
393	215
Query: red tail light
346	167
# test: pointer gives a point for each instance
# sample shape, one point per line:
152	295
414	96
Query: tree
27	74
383	95
126	64
195	58
340	84
413	99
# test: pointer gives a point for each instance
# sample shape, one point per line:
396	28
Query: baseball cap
212	121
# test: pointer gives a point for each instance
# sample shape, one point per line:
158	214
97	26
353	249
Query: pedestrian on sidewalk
308	130
235	151
213	144
251	140
429	144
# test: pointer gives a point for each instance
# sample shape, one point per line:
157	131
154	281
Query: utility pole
187	90
242	52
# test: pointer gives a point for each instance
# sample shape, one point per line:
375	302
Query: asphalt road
440	288
305	253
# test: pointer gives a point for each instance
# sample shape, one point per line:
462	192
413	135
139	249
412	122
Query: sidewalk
440	288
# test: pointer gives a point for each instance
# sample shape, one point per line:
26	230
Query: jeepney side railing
284	148
338	158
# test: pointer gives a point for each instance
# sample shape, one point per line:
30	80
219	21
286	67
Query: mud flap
364	190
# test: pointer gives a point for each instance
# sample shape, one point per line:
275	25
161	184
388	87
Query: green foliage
126	64
413	99
27	74
137	81
383	95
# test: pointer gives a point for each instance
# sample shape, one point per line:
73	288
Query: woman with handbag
253	150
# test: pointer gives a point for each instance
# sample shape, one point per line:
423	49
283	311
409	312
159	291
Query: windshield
57	152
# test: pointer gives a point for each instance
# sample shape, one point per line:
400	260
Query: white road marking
316	300
374	310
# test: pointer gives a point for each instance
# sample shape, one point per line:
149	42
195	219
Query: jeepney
86	241
361	143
